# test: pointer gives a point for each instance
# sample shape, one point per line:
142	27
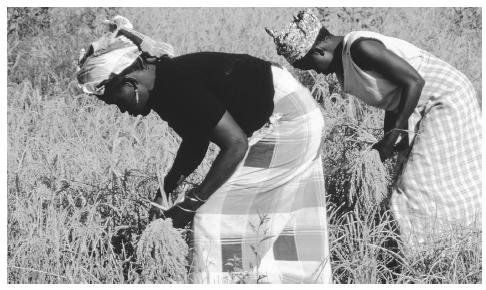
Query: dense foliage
81	174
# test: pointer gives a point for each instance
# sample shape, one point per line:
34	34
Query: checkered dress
439	190
267	224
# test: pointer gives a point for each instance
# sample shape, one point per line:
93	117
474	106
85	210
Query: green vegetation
81	174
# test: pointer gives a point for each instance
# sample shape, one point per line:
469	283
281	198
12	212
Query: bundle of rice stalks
367	179
162	253
361	180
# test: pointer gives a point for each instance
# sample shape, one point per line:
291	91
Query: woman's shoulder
353	36
214	56
202	64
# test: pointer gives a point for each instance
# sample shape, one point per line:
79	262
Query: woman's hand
403	143
180	217
183	212
386	145
383	149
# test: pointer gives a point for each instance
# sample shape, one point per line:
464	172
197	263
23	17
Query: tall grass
81	174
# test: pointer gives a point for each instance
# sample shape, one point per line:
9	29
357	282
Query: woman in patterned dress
430	106
259	214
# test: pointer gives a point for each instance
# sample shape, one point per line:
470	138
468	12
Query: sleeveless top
371	87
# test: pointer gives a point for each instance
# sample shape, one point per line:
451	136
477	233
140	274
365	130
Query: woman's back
375	89
199	86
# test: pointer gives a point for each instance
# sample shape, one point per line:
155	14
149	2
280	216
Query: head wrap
100	67
119	21
106	58
294	42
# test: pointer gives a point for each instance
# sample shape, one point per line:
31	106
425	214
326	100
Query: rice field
80	174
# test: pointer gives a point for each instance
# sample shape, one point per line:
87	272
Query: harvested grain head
368	180
162	253
359	181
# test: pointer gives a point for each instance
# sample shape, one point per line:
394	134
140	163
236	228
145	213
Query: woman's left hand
183	212
385	150
386	145
180	217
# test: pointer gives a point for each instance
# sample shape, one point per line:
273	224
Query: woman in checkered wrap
259	214
431	108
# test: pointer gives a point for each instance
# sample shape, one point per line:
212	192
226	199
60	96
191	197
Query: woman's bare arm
233	143
373	55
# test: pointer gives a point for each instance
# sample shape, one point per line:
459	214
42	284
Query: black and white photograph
204	144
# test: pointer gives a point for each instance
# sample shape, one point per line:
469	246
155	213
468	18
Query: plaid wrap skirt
267	223
438	193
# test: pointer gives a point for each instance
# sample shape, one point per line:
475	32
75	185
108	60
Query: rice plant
80	174
162	253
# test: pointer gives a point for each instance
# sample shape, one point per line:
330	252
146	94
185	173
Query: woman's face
319	59
323	61
122	93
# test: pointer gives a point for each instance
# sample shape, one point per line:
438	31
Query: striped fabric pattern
267	224
439	190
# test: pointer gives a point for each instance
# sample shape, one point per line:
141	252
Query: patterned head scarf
103	64
294	42
107	57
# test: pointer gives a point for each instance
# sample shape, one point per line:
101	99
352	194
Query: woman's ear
317	50
131	81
